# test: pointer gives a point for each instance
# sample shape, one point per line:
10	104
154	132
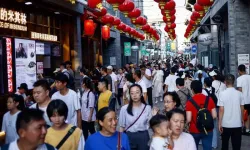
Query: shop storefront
34	39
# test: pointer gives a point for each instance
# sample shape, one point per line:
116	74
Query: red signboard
9	64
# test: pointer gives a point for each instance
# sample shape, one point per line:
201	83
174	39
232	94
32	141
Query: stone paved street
245	139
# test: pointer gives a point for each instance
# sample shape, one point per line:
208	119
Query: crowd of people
118	109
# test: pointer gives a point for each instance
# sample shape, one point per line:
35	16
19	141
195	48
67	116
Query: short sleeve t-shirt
244	83
143	85
114	79
231	100
170	81
91	104
185	142
103	100
147	82
14	146
9	126
200	100
159	143
99	142
73	104
45	115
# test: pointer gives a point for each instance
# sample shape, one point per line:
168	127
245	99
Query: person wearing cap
231	103
217	83
243	85
22	90
114	80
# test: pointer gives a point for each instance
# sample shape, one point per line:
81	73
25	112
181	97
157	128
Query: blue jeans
206	140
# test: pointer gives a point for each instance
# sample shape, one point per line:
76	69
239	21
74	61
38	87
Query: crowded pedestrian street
124	75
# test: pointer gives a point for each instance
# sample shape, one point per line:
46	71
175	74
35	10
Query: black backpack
71	83
204	120
212	95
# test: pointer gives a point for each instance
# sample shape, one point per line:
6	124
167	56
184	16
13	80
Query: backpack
96	100
204	120
6	147
212	95
71	83
112	102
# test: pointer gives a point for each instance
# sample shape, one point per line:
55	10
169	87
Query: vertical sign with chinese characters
9	64
14	20
127	49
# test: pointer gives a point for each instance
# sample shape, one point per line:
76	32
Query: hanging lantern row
151	32
168	12
200	9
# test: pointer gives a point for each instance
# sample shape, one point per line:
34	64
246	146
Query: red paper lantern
127	29
196	14
172	12
89	27
115	3
191	22
132	31
172	26
95	4
107	20
105	32
134	14
172	19
170	5
166	29
145	27
116	22
103	12
144	21
205	2
121	27
126	7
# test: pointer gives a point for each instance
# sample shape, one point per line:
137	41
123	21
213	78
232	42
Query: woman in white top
15	103
128	82
182	140
157	84
134	119
88	108
217	83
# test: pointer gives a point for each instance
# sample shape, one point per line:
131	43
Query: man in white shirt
138	80
243	85
41	96
146	77
31	128
114	79
70	98
231	103
170	81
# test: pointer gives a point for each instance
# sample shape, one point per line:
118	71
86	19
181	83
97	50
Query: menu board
25	56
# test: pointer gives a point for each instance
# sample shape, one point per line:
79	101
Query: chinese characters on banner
10	19
9	64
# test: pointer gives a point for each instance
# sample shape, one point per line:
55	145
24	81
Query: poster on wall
244	59
40	48
112	61
25	55
39	67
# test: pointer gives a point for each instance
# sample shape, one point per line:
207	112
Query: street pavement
245	145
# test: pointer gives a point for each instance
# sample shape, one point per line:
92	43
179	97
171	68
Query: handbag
136	119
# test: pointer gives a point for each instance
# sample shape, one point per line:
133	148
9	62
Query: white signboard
205	39
25	55
244	59
112	61
40	48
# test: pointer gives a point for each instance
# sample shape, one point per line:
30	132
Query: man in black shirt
105	75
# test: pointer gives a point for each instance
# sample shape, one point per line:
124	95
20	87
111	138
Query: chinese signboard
127	49
9	64
243	59
45	37
14	20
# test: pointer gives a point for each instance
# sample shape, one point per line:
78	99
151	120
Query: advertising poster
127	49
25	62
39	67
40	48
244	59
112	61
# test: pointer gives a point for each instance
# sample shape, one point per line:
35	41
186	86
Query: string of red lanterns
200	9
